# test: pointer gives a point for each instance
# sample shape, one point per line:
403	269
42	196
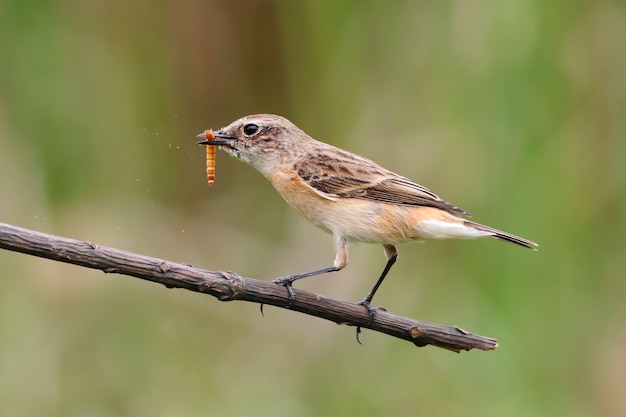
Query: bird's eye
250	129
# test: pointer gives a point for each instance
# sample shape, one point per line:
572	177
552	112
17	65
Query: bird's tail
499	234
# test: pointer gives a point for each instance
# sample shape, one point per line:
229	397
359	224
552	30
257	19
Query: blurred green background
514	110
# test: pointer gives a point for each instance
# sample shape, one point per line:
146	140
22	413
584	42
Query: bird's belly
362	220
367	221
375	222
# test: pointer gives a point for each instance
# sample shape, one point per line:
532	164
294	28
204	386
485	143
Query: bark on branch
229	286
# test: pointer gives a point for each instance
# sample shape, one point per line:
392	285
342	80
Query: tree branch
228	286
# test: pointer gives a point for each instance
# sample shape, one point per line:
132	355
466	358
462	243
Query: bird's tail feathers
499	234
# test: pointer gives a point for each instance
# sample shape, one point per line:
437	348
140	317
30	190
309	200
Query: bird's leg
392	254
288	280
341	260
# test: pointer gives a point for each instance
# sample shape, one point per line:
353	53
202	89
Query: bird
349	196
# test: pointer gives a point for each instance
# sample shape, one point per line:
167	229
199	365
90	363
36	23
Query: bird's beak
221	138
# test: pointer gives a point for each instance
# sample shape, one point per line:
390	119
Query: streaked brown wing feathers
404	192
353	177
335	185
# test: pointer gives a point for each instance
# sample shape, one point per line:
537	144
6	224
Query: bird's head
261	140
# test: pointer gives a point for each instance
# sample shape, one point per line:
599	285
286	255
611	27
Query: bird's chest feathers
300	196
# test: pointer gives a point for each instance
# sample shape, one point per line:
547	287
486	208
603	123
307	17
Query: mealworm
210	157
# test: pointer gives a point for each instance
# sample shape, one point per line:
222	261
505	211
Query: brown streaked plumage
345	194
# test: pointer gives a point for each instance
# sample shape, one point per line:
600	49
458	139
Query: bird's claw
372	313
371	310
287	282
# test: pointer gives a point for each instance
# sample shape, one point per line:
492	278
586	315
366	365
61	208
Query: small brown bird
347	195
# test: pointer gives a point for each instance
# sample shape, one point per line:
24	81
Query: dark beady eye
250	129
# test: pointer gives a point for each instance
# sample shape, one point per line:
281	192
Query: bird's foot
371	310
372	313
287	282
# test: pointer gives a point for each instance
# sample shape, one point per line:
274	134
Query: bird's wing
341	174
